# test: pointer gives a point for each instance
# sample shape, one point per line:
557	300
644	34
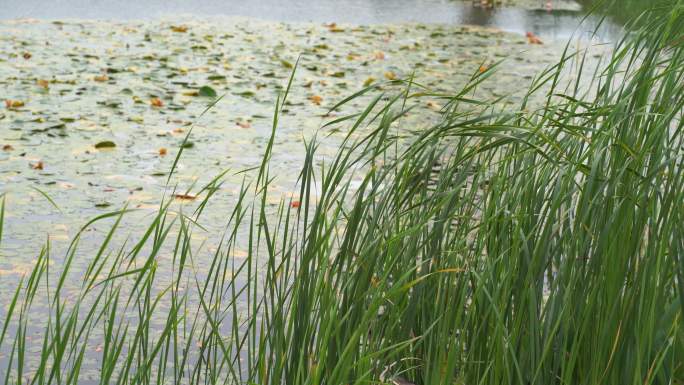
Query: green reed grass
537	246
625	11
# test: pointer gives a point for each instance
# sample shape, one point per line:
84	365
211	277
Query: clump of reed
538	246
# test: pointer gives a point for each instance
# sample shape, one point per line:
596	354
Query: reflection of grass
535	247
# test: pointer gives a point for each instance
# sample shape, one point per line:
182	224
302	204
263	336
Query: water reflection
557	25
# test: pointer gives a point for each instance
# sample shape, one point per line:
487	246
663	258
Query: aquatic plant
536	246
626	11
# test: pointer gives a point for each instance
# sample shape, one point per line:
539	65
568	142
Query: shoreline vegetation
529	245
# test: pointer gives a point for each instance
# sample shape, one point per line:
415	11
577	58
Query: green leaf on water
246	94
188	145
105	144
110	103
102	205
207	91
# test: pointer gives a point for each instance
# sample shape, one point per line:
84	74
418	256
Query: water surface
557	24
82	82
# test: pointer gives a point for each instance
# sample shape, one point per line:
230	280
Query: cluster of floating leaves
94	113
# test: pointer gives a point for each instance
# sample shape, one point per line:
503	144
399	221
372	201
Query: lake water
558	24
84	82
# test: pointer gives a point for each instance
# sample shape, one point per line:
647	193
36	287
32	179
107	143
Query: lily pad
207	91
105	144
246	94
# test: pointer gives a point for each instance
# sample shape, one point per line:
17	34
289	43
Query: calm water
556	24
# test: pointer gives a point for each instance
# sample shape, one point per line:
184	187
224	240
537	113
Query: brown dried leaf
316	99
433	105
43	83
243	124
13	103
38	165
332	27
533	39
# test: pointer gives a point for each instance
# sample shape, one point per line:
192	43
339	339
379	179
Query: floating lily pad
246	94
105	144
147	60
207	91
48	127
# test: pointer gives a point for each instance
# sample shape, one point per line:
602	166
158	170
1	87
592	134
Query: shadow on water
556	24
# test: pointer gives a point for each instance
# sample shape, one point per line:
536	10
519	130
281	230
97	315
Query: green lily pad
105	144
207	91
246	94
